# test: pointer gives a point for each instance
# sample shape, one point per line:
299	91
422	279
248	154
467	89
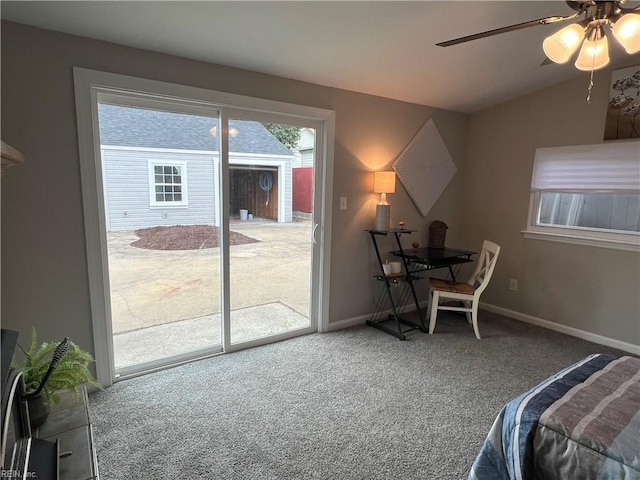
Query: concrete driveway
154	287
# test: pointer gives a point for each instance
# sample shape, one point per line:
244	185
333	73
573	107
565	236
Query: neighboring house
162	168
303	172
306	146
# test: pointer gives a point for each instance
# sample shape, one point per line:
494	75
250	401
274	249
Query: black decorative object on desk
437	234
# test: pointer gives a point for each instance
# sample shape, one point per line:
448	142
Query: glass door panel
271	196
162	210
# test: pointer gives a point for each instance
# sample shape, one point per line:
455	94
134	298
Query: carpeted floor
352	404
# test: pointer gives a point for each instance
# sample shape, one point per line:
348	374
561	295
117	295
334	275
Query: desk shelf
396	295
427	259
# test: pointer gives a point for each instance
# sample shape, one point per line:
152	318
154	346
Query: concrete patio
163	300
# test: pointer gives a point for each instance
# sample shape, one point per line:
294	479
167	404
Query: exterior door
162	219
204	235
270	200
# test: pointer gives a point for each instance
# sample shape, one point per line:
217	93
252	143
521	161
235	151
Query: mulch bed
185	237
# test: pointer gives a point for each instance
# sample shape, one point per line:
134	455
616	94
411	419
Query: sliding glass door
209	228
160	167
270	178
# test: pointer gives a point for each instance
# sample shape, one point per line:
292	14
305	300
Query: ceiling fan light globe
593	55
561	46
627	32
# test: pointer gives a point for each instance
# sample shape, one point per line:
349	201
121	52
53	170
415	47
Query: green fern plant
71	372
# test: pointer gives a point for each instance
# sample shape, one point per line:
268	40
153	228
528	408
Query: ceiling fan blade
510	28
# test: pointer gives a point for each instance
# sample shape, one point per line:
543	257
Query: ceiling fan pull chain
590	88
593	64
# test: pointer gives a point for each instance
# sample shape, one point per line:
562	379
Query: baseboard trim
362	319
347	322
522	317
574	332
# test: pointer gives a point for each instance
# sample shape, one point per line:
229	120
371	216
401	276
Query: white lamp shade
593	55
627	32
384	182
561	46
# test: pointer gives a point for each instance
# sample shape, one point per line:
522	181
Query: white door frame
89	84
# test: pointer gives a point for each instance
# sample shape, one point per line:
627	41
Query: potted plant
49	367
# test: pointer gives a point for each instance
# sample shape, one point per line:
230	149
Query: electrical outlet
513	284
343	203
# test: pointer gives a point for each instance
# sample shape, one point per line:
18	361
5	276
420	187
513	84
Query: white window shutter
611	167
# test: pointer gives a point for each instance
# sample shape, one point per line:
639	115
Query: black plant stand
403	283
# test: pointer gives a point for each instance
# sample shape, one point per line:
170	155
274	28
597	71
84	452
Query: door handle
313	234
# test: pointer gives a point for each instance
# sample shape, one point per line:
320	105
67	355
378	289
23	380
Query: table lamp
383	183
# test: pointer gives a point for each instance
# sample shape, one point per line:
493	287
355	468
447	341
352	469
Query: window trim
577	235
153	203
579	164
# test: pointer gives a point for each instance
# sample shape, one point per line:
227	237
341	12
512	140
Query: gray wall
589	288
44	264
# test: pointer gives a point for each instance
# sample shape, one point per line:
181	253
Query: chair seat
466	293
450	286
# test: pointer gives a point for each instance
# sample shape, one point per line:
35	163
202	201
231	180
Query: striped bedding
581	423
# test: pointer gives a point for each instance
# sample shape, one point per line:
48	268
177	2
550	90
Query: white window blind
611	167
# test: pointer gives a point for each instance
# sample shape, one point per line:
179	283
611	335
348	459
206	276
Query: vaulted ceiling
380	48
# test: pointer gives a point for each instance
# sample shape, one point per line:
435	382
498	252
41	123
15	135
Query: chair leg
435	299
474	317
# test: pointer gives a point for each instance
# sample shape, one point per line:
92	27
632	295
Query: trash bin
244	214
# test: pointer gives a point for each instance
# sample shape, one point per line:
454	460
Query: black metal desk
414	261
403	283
424	259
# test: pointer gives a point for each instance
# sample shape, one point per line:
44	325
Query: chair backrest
484	267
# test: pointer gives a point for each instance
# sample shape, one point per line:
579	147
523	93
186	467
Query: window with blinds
588	193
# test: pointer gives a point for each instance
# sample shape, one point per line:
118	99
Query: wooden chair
466	293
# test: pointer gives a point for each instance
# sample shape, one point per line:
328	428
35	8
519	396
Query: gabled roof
140	127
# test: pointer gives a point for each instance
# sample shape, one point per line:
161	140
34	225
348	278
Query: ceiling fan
588	32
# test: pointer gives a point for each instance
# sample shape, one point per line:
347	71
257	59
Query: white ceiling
380	48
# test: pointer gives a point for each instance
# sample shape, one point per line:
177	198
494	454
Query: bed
581	423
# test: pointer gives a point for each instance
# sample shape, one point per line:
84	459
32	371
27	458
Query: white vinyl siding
590	210
128	186
127	189
306	147
307	158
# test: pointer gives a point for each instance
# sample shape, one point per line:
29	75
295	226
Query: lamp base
383	217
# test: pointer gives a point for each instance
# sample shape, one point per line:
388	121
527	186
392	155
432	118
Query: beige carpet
356	404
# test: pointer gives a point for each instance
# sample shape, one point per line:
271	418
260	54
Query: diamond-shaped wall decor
425	167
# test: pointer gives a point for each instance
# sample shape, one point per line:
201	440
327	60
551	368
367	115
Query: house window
167	183
588	194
